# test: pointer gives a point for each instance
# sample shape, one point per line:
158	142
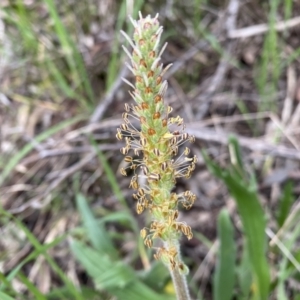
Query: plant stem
179	280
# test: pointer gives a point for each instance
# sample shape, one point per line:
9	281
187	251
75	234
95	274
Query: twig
283	248
217	79
201	45
36	203
210	135
263	28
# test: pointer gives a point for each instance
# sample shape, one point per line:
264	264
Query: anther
128	159
145	170
138	79
152	54
145	105
123	172
133	182
124	150
175	150
141	42
143	63
124	127
148	242
143	142
173	141
158	80
141	192
191	139
148	90
151	131
186	151
143	120
157	98
170	109
127	107
150	74
147	25
185	136
143	233
154	177
156	152
119	135
156	115
139	209
164	166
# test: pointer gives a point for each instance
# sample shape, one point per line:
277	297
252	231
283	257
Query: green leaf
285	203
42	250
31	287
236	156
244	275
157	276
224	277
289	263
64	293
253	220
4	296
113	276
60	79
5	282
121	217
96	232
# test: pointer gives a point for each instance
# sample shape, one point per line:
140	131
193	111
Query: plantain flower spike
155	144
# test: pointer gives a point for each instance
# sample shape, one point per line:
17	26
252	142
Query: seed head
162	161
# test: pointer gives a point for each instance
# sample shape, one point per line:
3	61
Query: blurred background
69	229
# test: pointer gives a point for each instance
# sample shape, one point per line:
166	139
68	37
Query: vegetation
69	227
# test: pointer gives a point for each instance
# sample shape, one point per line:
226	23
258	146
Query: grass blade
285	203
113	276
224	277
41	249
31	287
4	296
74	59
245	194
244	276
96	232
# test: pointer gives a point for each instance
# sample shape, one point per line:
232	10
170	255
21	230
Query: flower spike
162	159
